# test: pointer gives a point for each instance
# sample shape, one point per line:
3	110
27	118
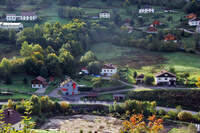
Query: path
40	91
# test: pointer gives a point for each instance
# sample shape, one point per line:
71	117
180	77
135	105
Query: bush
64	106
172	114
149	80
185	116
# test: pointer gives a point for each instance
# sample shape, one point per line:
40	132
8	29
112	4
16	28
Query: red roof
191	16
156	22
109	66
170	37
165	72
11	116
64	89
40	78
84	68
152	29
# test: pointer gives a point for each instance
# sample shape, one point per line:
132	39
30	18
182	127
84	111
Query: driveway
40	91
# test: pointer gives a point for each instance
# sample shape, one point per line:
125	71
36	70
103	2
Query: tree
149	80
97	82
94	67
134	74
26	49
198	82
88	57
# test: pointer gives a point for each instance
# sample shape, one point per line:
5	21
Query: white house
146	9
69	87
13	118
198	29
104	14
165	78
9	26
108	70
24	16
39	83
84	70
194	22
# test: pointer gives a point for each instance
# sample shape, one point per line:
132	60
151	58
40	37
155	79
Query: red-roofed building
156	23
39	82
69	87
84	70
170	37
191	16
152	30
165	78
108	70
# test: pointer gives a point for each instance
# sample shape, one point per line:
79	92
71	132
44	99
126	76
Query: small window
165	78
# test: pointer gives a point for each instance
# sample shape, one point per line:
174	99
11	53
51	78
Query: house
170	37
24	16
194	22
191	16
11	17
84	70
146	9
140	79
104	14
13	118
11	26
165	78
198	29
69	87
156	23
39	82
108	70
28	16
152	30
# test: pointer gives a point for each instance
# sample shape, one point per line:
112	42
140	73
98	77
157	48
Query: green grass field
147	62
15	97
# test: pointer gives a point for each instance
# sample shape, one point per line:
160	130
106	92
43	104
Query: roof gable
11	116
165	74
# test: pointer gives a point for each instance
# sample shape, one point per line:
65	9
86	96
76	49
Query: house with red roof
152	30
170	37
69	87
84	70
108	70
13	118
156	23
165	78
39	82
191	16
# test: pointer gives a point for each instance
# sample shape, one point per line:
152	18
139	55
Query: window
104	70
165	78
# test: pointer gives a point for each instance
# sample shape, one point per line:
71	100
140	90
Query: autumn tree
198	82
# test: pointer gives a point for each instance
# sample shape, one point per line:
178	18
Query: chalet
108	70
170	37
165	78
69	87
140	79
24	16
13	118
191	16
11	26
104	14
194	22
146	9
39	82
152	30
198	29
156	23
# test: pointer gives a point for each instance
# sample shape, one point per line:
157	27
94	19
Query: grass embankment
14	97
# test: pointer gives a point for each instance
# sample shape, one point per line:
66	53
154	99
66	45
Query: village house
39	83
170	37
146	9
84	70
194	22
198	29
156	23
165	78
108	70
140	79
13	118
104	14
24	16
11	26
152	30
69	87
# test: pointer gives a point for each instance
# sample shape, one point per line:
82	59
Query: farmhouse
140	79
146	9
39	82
69	87
170	37
24	16
152	30
104	14
12	117
84	70
165	78
108	70
11	26
194	22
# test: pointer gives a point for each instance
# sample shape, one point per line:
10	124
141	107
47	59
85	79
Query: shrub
172	114
64	106
185	116
149	80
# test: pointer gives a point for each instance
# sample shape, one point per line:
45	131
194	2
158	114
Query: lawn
15	97
18	85
146	61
